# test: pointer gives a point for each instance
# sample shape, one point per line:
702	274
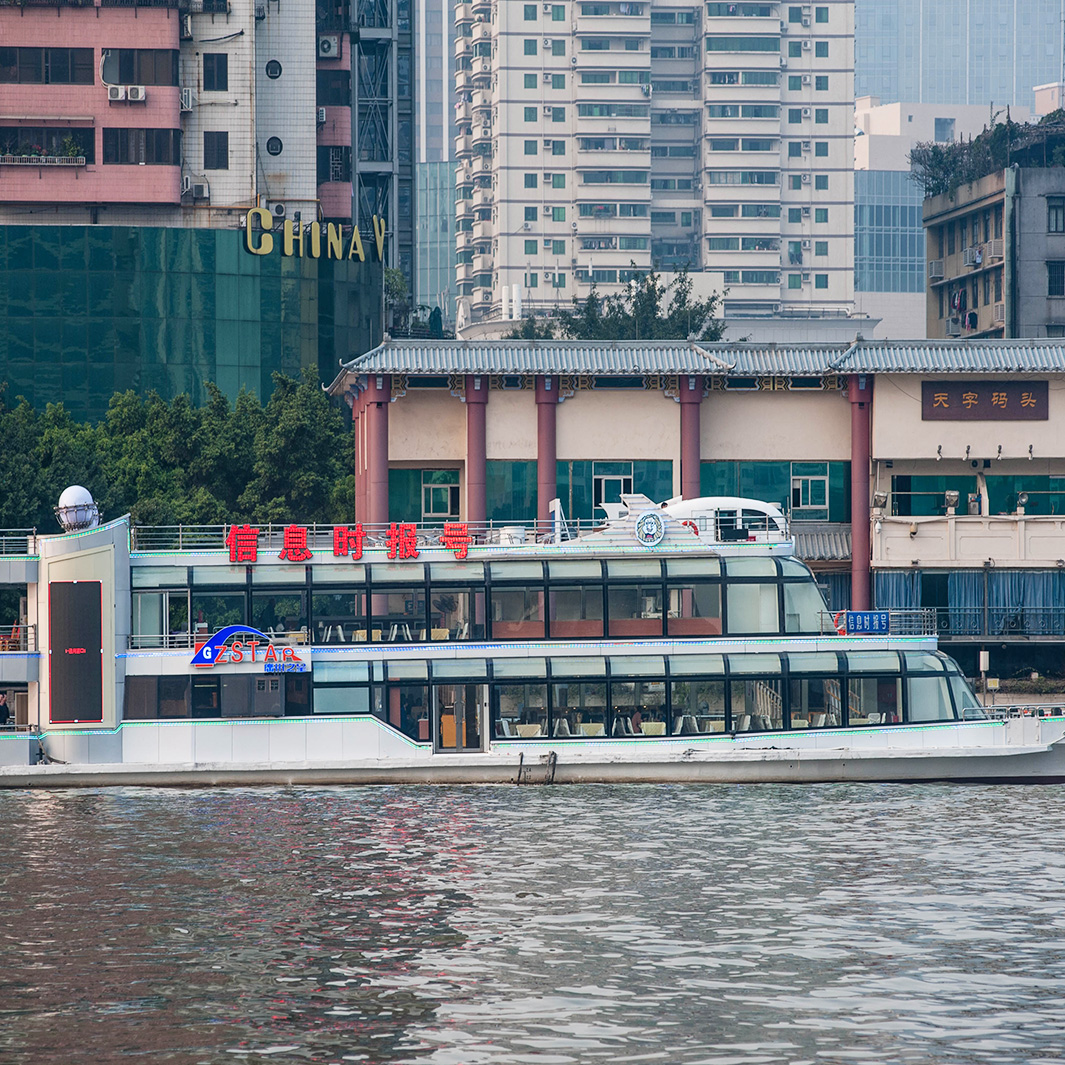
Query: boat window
575	569
471	572
792	567
874	701
227	575
213	612
686	665
338	617
341	700
928	699
965	701
922	662
633	569
518	613
158	576
872	661
752	608
637	666
341	672
519	711
412	669
635	610
750	567
519	667
756	663
456	614
757	705
398	615
407	709
813	662
805	610
447	668
578	667
698	706
693	567
343	574
694	610
638	708
517	571
576	612
814	702
582	706
284	613
405	573
279	575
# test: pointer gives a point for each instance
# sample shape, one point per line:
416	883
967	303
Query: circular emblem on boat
650	528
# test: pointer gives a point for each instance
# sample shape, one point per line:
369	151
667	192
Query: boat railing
1005	713
919	622
19	637
18	542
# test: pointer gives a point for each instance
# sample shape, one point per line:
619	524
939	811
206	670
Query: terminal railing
18	541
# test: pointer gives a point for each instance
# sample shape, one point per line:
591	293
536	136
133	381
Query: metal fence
18	638
18	541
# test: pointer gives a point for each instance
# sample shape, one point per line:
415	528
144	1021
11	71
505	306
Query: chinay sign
313	241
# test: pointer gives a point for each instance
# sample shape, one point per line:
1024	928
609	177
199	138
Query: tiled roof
822	541
626	358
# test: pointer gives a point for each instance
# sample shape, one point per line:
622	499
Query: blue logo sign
868	622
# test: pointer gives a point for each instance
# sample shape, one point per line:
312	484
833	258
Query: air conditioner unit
329	46
260	12
278	210
548	143
136	93
186	184
201	190
806	212
805	146
805	112
805	279
573	226
547	79
806	179
806	79
783	61
321	116
547	9
806	20
186	27
806	46
806	245
548	42
548	111
783	26
116	92
526	226
547	243
186	99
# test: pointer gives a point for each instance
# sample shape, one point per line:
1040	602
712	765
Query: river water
721	925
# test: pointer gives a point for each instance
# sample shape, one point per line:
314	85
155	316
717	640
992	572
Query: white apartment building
595	138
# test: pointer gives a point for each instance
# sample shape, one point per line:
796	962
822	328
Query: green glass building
87	311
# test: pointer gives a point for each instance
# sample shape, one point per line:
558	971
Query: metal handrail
18	541
18	638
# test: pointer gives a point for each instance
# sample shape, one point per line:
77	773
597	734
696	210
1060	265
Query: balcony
1008	540
483	230
41	160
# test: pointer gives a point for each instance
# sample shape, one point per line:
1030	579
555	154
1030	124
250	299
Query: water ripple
731	925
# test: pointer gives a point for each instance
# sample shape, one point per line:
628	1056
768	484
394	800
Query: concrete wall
813	426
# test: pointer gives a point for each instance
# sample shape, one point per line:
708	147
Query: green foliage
646	310
397	291
172	463
943	168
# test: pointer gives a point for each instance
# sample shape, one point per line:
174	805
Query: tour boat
681	641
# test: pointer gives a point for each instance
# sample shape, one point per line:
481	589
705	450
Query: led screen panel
76	660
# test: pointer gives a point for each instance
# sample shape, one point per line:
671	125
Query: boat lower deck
365	751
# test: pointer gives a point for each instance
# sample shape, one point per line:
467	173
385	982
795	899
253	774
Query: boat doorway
459	713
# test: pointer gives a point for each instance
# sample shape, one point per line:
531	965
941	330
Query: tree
640	312
397	295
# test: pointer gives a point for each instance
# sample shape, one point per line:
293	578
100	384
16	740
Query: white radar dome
76	509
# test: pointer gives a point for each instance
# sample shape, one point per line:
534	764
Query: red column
356	458
860	393
476	448
691	397
378	396
546	446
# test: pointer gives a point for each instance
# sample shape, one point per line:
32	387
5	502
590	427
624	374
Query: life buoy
691	525
839	622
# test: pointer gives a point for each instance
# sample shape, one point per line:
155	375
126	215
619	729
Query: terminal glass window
694	609
520	712
576	611
698	706
752	608
440	494
757	704
638	708
518	613
582	706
